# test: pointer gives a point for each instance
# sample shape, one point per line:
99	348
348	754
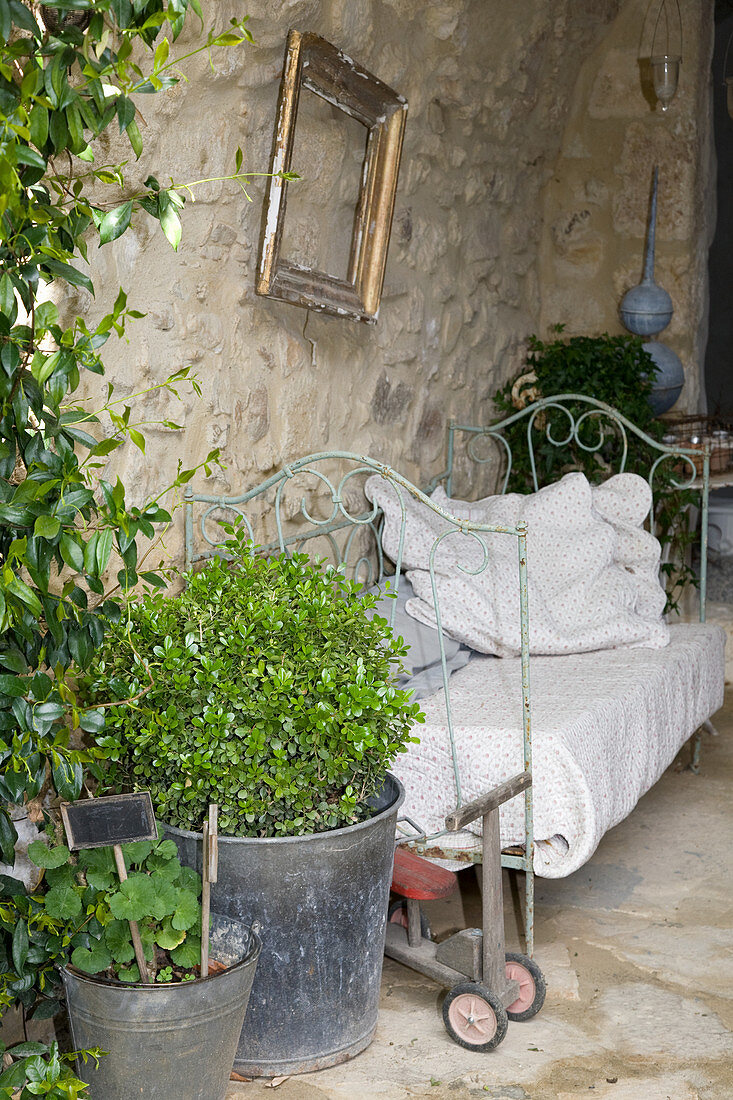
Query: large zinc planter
165	1041
323	900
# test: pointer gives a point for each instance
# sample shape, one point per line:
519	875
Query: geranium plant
272	695
82	914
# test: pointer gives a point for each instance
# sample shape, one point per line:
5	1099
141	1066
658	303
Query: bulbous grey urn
669	378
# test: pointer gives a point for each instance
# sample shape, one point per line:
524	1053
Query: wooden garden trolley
487	986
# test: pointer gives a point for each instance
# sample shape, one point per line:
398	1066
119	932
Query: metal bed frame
351	534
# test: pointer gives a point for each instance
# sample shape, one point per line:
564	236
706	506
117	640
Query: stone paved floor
636	948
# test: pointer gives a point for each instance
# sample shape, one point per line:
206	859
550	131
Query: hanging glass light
666	74
666	65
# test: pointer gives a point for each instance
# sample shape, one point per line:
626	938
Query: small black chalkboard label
112	819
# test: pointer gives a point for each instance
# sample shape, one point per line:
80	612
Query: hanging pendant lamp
666	53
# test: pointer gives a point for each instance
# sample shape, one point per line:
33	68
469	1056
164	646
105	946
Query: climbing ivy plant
70	72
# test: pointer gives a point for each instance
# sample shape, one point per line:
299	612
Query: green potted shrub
176	1025
268	688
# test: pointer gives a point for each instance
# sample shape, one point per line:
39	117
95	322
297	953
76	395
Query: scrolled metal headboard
550	420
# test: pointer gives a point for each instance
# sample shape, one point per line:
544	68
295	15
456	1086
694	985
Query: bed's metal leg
696	746
529	905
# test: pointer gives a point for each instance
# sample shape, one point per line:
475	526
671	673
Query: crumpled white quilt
605	726
592	568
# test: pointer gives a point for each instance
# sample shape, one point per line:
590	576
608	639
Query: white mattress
605	725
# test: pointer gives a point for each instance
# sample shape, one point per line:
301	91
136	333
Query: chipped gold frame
313	63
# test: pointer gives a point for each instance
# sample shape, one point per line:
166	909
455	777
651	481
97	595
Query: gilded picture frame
313	63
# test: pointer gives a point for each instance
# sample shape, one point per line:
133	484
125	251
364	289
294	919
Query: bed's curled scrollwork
486	453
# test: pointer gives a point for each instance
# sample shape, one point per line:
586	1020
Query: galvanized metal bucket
323	899
165	1041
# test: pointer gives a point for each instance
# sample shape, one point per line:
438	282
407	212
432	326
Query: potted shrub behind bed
175	1034
273	695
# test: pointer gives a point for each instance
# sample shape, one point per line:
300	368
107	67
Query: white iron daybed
595	728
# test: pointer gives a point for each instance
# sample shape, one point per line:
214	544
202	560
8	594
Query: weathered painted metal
669	376
279	519
646	309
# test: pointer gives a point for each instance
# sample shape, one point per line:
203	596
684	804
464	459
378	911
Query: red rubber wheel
532	989
474	1017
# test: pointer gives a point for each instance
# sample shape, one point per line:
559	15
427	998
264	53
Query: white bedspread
605	726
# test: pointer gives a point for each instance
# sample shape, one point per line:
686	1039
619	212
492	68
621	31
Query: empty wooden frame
313	63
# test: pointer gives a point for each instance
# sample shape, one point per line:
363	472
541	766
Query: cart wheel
474	1017
397	914
532	989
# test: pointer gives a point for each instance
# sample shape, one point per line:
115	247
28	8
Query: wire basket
694	432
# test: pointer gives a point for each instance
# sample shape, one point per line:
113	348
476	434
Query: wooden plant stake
209	874
137	943
111	821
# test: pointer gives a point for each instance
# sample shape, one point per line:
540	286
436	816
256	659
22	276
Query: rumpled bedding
605	725
592	568
615	691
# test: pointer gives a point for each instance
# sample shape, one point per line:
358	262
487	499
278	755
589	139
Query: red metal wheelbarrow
501	985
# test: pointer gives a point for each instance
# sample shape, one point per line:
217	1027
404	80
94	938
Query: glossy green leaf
20	946
12	686
104	549
68	778
136	140
47	527
8	837
6	24
39	125
70	274
22	18
171	226
92	721
114	224
72	552
137	438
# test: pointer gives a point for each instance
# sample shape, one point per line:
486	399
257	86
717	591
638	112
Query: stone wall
514	210
597	204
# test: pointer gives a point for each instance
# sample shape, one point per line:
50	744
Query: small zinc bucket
165	1040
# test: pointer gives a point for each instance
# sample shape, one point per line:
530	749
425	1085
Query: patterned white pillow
592	570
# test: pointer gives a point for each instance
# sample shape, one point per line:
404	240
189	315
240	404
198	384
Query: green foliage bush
62	526
71	72
37	1069
272	695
